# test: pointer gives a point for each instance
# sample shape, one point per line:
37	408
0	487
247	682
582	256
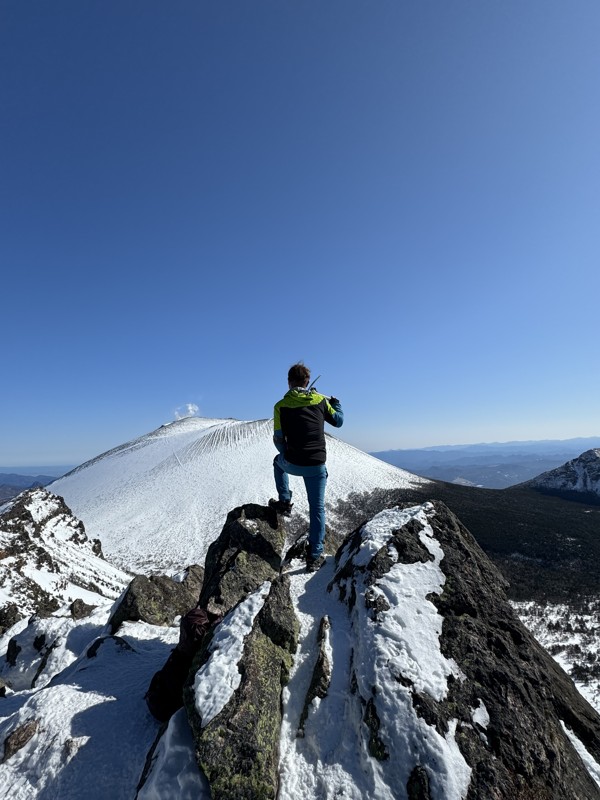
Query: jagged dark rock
277	619
45	550
238	749
46	651
158	599
248	552
118	641
18	738
12	652
512	674
9	616
376	746
418	785
80	610
523	753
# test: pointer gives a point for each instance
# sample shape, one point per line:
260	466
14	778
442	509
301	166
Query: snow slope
91	730
156	503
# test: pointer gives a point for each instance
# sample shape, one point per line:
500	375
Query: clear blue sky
196	194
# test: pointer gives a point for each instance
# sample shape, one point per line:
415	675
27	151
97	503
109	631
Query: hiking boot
313	564
283	507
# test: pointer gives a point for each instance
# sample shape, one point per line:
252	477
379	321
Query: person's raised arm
335	415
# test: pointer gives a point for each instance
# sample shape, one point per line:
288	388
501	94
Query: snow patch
590	762
480	715
174	771
217	680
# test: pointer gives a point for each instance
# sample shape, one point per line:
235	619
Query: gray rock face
158	599
248	552
237	746
321	677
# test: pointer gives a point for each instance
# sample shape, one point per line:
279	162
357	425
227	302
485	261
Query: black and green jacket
299	420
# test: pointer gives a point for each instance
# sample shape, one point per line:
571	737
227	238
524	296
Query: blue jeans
315	480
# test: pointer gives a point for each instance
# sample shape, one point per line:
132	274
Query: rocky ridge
477	714
578	479
46	559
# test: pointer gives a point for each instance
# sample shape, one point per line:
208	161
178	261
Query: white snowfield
158	502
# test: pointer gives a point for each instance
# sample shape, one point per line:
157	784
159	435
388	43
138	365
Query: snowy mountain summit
578	477
398	670
159	501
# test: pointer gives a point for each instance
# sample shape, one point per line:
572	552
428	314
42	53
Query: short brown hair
298	375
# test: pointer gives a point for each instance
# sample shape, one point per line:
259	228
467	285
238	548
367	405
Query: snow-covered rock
47	560
413	677
580	476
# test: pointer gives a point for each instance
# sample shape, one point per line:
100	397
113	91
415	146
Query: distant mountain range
12	483
493	466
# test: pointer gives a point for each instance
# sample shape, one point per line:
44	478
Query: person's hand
334	401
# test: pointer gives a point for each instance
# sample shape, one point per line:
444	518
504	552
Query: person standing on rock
299	422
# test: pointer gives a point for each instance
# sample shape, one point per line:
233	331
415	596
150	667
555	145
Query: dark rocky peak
577	479
248	552
489	689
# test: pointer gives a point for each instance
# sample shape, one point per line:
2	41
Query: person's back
301	415
299	436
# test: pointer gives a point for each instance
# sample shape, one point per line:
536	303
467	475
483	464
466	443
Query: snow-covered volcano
158	502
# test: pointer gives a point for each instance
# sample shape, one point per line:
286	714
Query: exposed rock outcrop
248	552
397	670
454	697
321	677
498	696
158	599
19	738
236	724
